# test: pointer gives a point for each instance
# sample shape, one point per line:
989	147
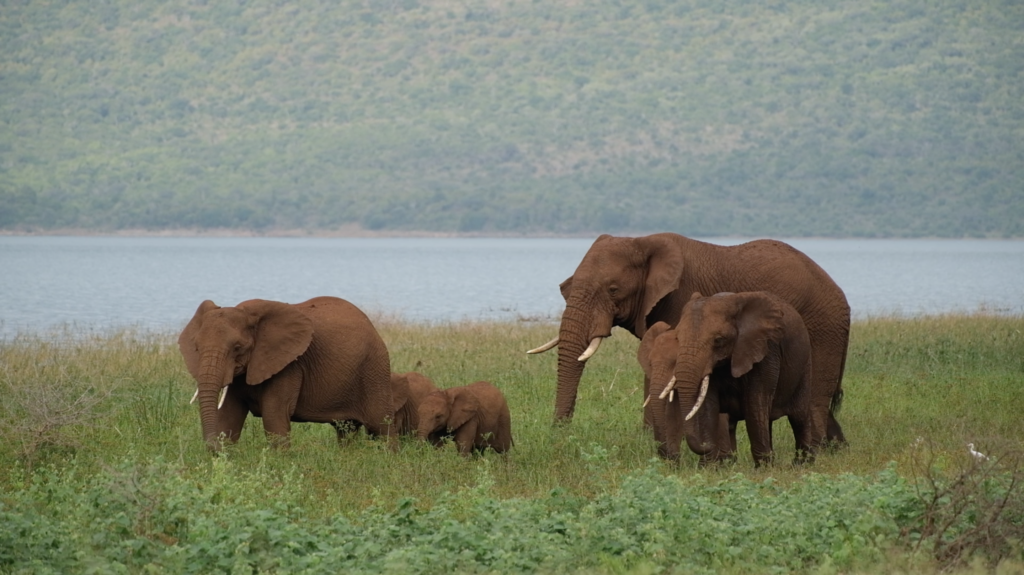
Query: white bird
977	455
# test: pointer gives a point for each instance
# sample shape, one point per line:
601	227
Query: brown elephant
409	390
318	361
747	355
476	415
635	282
657	357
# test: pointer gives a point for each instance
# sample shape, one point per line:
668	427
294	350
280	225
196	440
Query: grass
127	428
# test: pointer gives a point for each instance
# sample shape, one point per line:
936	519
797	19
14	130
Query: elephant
409	390
477	415
657	357
635	282
316	361
747	355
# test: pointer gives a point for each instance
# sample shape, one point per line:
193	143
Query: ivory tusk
700	398
223	394
194	396
545	347
594	344
668	388
671	395
648	400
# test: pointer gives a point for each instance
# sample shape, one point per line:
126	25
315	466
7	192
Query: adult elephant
634	282
318	361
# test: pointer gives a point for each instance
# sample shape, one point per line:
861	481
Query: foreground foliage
121	482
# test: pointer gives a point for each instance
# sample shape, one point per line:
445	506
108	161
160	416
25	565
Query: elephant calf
476	415
409	390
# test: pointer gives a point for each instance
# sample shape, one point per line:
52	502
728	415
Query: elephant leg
805	449
466	437
277	399
828	356
834	432
759	428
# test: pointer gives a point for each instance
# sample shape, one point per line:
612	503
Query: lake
156	283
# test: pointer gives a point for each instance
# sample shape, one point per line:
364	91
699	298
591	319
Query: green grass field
102	468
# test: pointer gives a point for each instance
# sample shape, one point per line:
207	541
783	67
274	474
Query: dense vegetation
705	117
102	468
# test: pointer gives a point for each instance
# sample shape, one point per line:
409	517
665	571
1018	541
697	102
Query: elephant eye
719	341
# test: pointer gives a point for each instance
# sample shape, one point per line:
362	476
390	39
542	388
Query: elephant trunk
574	335
701	427
210	382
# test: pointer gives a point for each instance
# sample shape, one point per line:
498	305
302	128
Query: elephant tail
836	404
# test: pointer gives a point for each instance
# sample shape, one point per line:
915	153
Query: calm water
157	283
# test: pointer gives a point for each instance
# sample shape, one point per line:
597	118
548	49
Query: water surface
158	282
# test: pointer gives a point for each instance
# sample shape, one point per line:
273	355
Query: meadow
102	468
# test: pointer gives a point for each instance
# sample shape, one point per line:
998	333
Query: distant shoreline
355	231
342	232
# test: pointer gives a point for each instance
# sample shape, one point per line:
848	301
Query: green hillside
705	117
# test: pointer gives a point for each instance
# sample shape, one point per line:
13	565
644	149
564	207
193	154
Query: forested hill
706	117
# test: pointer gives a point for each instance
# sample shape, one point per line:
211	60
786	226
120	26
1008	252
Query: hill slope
704	117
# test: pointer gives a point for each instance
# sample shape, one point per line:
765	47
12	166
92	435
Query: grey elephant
476	415
409	389
317	361
742	355
634	283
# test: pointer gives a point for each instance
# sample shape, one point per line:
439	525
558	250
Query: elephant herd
752	332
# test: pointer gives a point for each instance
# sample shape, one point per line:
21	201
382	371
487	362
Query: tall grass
943	381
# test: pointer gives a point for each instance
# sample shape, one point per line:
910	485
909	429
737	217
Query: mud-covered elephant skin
746	355
316	361
636	282
476	415
409	389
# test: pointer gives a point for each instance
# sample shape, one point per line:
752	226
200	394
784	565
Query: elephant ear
758	322
187	339
664	272
282	334
465	406
643	353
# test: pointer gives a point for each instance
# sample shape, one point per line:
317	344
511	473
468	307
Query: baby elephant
476	415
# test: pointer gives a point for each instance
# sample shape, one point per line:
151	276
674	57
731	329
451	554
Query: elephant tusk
594	344
700	398
648	400
194	396
668	388
223	394
545	347
671	395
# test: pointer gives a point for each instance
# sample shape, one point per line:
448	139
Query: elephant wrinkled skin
635	282
317	361
476	415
